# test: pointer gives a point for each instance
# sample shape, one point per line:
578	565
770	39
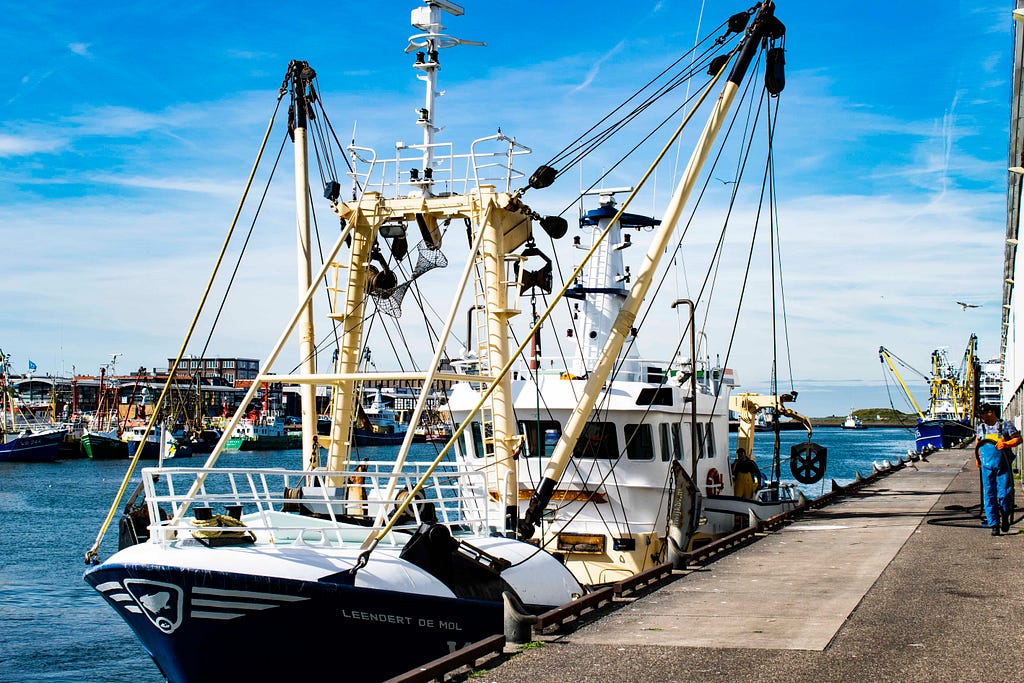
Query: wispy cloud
596	68
80	49
26	145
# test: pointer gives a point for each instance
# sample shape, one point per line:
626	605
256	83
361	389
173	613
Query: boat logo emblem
160	602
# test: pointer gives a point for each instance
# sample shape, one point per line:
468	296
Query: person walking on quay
993	450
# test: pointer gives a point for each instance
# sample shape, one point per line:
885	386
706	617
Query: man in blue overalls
993	451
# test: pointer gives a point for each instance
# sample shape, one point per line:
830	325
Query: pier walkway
897	582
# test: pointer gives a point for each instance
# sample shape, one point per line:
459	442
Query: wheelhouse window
598	441
545	432
671	445
480	447
639	441
705	440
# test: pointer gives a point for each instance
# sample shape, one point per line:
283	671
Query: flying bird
964	306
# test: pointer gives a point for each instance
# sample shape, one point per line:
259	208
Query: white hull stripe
229	604
246	594
121	597
108	586
214	615
133	609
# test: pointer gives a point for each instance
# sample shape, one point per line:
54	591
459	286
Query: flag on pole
31	366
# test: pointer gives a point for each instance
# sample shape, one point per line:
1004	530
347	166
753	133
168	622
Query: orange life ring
715	483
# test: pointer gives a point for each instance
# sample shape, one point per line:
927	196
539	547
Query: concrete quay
897	582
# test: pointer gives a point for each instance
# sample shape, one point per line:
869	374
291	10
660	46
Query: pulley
541	278
775	71
381	279
807	462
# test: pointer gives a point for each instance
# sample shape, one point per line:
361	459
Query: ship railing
284	506
450	173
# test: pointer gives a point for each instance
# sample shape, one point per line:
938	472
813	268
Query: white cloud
24	145
80	49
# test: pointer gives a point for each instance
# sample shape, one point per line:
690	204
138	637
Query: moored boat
262	434
104	445
32	446
951	397
401	560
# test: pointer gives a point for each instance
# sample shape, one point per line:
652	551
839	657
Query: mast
883	353
765	25
301	76
428	44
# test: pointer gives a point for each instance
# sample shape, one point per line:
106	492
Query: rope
92	554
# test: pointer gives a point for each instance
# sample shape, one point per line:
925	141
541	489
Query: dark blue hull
934	435
32	448
203	626
366	437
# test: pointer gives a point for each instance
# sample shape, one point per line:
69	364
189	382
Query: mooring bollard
518	624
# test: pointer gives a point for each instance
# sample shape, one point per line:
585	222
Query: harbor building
1011	351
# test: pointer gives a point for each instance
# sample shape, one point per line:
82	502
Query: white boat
853	422
402	561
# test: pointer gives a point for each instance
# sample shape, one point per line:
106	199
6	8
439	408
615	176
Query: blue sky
127	131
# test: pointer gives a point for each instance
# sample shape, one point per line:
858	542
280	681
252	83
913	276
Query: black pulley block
807	462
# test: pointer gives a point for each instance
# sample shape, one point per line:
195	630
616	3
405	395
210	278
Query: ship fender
468	572
683	515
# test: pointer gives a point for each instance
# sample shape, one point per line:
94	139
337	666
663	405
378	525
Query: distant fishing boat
262	434
377	422
102	440
104	445
951	400
853	422
21	438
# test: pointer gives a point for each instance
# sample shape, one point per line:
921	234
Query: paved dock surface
895	583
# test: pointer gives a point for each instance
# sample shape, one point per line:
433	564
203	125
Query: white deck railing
333	507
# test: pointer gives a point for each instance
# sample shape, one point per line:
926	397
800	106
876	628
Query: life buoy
715	483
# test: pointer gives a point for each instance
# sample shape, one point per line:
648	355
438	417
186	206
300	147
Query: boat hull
150	449
366	437
98	447
264	443
44	447
934	435
201	625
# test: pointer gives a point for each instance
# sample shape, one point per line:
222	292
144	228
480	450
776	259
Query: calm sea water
53	627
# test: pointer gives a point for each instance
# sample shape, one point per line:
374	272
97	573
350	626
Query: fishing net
389	301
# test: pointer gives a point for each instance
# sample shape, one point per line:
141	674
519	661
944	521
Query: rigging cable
92	555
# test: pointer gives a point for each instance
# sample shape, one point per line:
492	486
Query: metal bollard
518	624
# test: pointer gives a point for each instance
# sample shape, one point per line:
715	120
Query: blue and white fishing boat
951	401
402	561
22	439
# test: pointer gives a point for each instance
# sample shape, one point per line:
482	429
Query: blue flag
31	365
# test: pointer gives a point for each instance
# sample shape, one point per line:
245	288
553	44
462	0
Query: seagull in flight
965	306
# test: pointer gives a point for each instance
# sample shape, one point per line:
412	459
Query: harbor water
53	627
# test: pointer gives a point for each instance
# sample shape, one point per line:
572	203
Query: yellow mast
883	353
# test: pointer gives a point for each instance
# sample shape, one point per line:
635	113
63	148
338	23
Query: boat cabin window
705	441
480	448
671	445
655	396
597	441
639	442
546	431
